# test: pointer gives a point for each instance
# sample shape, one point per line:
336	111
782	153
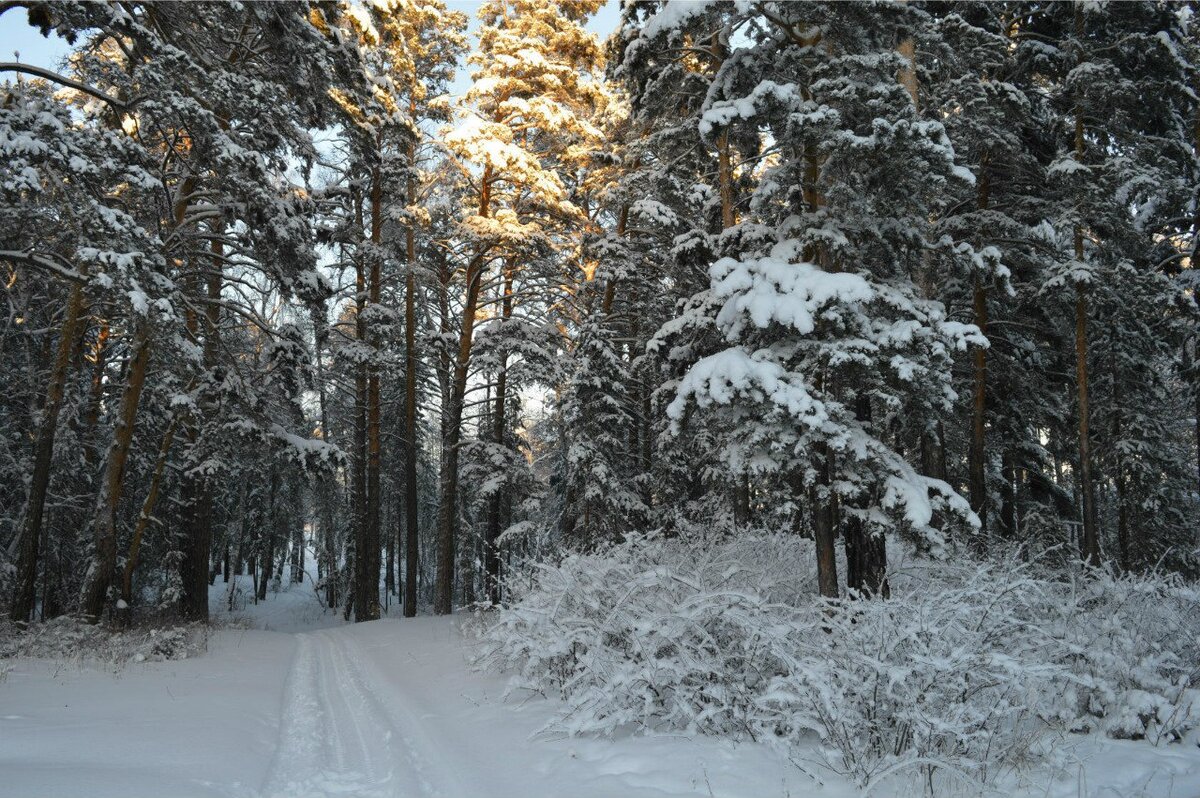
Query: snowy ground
304	706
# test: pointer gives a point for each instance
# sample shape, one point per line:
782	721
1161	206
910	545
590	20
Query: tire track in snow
336	737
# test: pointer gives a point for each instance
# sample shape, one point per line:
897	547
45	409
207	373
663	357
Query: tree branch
63	80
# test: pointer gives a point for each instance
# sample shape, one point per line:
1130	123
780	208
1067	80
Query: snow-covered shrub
1132	645
655	633
953	678
73	639
940	679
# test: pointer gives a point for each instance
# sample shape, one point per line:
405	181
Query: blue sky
17	35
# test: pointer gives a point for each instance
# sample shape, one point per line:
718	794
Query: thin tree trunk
368	553
31	520
977	484
99	361
328	489
1091	540
1008	495
359	497
491	544
267	556
411	530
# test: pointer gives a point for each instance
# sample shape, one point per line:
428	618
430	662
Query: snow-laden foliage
955	677
71	639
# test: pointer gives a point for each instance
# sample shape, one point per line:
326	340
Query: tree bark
199	487
145	515
267	556
411	530
977	483
359	491
491	544
1091	540
443	599
23	599
367	554
866	552
823	531
104	559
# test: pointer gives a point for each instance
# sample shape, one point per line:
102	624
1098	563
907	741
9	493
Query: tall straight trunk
823	507
491	543
368	550
411	530
328	488
389	567
297	555
1091	541
443	592
199	488
359	496
1091	538
31	520
741	483
267	555
1121	483
1195	258
443	599
977	483
104	525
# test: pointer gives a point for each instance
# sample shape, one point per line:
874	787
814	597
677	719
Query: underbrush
74	640
956	678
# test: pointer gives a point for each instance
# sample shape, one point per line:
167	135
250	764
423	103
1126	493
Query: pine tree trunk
359	497
1091	540
91	455
1008	496
198	488
491	544
139	529
328	561
411	529
866	552
30	533
104	558
443	598
267	556
368	550
389	569
823	531
977	483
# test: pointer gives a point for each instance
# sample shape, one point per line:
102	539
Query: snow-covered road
341	734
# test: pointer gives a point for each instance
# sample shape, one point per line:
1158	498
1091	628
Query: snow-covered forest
807	390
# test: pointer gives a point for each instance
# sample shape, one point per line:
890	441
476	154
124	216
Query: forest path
347	729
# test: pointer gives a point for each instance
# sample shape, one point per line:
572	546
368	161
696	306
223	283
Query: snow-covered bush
1132	646
73	639
953	678
650	632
